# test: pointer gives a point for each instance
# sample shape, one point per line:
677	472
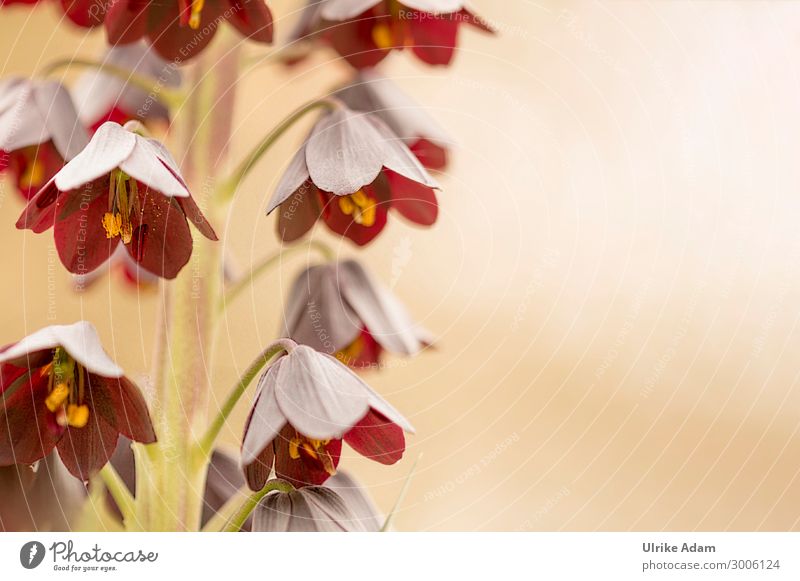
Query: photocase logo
31	554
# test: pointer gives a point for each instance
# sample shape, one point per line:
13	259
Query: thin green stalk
400	497
120	493
169	97
233	515
206	444
229	186
266	264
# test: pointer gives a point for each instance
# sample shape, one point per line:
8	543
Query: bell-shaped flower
339	309
59	389
180	29
350	172
374	93
121	188
307	403
341	505
39	131
100	96
364	32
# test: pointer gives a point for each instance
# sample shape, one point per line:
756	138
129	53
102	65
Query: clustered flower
116	199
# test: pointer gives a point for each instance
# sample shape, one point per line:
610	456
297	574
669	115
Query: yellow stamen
33	175
112	223
57	397
351	353
194	19
382	35
77	415
360	206
314	449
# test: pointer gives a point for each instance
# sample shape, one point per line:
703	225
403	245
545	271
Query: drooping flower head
364	32
350	172
341	505
371	92
339	309
180	29
122	188
307	403
39	131
100	96
60	390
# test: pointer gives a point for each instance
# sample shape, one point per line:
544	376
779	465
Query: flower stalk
231	517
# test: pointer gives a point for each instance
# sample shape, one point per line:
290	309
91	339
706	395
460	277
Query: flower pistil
66	390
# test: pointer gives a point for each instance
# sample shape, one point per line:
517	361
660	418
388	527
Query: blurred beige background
614	280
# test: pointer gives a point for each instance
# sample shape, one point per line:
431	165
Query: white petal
434	6
21	122
344	153
318	395
398	158
295	175
345	9
61	119
80	340
108	148
267	419
145	164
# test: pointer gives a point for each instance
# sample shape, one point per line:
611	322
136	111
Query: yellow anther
112	223
57	397
382	35
351	353
194	19
126	231
77	415
314	449
33	175
360	206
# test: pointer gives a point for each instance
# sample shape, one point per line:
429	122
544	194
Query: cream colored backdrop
614	280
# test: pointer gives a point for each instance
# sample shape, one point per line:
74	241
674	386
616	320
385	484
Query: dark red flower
180	29
307	403
122	188
350	172
60	390
365	31
338	308
39	130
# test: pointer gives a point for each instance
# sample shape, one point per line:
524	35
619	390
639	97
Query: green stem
266	264
206	444
169	97
120	493
232	516
230	185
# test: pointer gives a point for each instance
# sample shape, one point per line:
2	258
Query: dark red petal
367	352
252	18
162	242
86	450
299	213
126	20
86	13
377	438
40	213
344	225
121	405
353	39
80	237
24	433
19	162
434	38
302	471
177	42
416	202
429	154
257	472
196	217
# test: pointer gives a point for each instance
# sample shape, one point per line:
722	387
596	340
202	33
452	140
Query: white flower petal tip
79	339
